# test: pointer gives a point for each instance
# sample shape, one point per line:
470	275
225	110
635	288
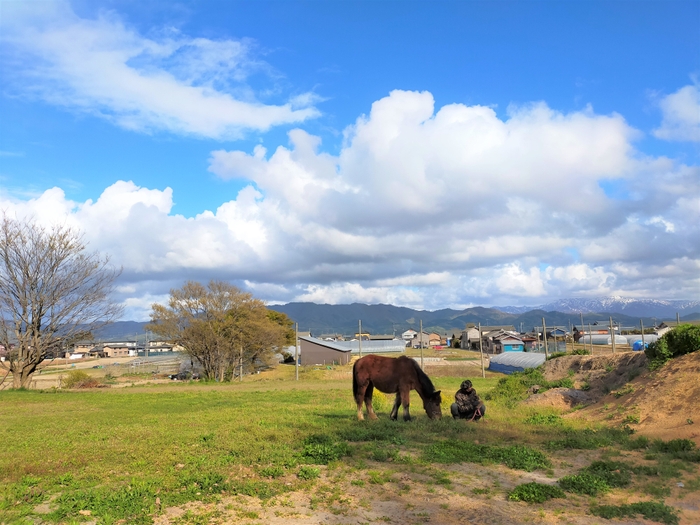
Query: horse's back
386	373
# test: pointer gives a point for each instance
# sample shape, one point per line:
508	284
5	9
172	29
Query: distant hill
387	319
616	305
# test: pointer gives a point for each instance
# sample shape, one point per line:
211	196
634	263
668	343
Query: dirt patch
559	398
597	375
662	404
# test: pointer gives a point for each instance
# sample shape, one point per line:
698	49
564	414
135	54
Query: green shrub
684	339
614	473
79	379
651	510
584	483
535	493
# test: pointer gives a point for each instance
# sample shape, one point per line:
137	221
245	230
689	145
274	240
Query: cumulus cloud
166	81
421	207
681	115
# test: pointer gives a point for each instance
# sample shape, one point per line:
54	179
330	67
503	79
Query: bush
535	493
79	379
584	483
684	339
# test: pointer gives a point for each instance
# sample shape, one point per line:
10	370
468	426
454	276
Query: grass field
126	455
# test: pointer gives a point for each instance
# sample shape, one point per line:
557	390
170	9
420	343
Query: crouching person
467	403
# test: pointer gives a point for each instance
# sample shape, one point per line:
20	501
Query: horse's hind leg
405	401
368	402
359	399
395	410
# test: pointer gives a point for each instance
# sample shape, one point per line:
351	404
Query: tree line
54	291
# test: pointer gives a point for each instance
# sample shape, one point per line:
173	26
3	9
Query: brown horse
393	376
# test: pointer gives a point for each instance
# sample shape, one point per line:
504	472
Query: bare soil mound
597	375
661	404
559	398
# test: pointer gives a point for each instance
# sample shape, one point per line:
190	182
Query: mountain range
387	319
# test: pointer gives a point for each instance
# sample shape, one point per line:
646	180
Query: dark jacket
467	402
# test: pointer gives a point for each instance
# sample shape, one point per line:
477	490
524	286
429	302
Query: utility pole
481	351
544	336
296	351
641	322
360	339
590	337
612	335
240	373
678	318
421	344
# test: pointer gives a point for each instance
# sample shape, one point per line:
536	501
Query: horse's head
431	404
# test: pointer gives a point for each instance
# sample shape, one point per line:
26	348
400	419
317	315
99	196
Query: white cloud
166	82
681	115
421	208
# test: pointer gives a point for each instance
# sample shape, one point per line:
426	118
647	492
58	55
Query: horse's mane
425	382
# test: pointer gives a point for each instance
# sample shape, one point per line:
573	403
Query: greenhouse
510	362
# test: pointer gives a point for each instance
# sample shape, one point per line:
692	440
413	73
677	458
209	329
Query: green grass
115	452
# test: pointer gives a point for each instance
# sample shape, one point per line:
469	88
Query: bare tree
220	326
52	292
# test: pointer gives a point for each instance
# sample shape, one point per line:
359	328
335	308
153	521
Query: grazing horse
393	376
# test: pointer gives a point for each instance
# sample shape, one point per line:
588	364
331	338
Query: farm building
317	351
321	352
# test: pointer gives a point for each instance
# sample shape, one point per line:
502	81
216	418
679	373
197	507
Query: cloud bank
166	81
424	207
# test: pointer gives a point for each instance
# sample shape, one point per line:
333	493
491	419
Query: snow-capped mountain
614	304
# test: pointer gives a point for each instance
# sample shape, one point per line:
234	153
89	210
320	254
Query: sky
428	154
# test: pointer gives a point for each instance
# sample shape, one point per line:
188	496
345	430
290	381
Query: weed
544	419
627	389
650	510
306	472
584	483
631	418
321	449
614	473
485	490
535	493
589	439
516	456
272	472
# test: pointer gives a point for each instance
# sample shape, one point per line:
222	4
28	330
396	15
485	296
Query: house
120	349
408	335
470	335
421	340
381	337
507	342
667	326
434	340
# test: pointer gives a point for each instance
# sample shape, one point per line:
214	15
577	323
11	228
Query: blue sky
426	154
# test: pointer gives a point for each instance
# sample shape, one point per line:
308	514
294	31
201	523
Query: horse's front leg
368	402
395	410
405	401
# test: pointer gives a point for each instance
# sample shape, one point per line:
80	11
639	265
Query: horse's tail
355	386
